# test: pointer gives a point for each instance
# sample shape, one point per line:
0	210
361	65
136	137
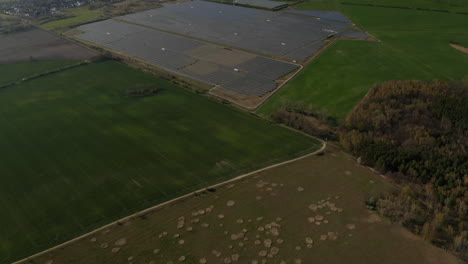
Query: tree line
416	132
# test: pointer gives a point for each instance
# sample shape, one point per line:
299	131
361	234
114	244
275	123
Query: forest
416	134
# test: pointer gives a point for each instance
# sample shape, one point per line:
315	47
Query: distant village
37	8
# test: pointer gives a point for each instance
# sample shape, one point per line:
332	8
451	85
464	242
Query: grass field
415	45
17	71
77	16
282	198
78	153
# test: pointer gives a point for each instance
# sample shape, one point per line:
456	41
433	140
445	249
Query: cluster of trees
417	133
140	91
306	118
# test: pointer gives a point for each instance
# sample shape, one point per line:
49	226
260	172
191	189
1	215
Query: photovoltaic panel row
303	53
178	54
266	32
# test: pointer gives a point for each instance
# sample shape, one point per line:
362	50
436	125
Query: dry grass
232	226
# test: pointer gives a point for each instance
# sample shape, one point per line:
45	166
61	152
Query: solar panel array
263	3
261	31
329	15
303	53
251	75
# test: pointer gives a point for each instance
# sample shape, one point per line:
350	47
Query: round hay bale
319	217
259	218
323	237
181	242
279	241
241	244
274	250
230	203
262	253
257	242
240	221
189	228
130	258
202	261
194	213
220	216
261	229
311	219
279	219
351	226
298	248
49	262
104	245
205	225
300	189
176	235
216	253
181	258
93	239
235	257
309	246
234	237
201	212
208	209
317	222
115	250
298	261
325	221
156	251
309	240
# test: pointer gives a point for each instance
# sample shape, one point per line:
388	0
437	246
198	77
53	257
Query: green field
77	16
352	236
414	45
78	153
14	72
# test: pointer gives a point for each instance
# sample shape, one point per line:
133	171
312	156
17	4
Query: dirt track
181	198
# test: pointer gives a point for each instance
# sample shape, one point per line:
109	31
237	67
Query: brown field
309	211
40	45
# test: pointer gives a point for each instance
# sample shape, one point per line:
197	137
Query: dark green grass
77	153
415	45
14	72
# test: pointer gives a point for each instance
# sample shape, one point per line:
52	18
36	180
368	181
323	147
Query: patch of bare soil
40	45
460	48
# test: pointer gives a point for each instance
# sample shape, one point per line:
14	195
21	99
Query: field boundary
171	202
39	75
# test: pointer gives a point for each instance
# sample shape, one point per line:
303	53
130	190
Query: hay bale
181	258
279	241
93	239
115	250
311	219
227	260
230	203
202	261
104	245
235	257
220	216
216	253
262	253
309	240
181	242
274	250
351	226
156	251
300	189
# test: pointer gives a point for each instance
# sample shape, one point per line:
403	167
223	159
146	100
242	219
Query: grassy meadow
13	72
75	16
414	45
78	153
309	211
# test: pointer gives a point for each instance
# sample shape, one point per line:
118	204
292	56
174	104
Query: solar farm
215	44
